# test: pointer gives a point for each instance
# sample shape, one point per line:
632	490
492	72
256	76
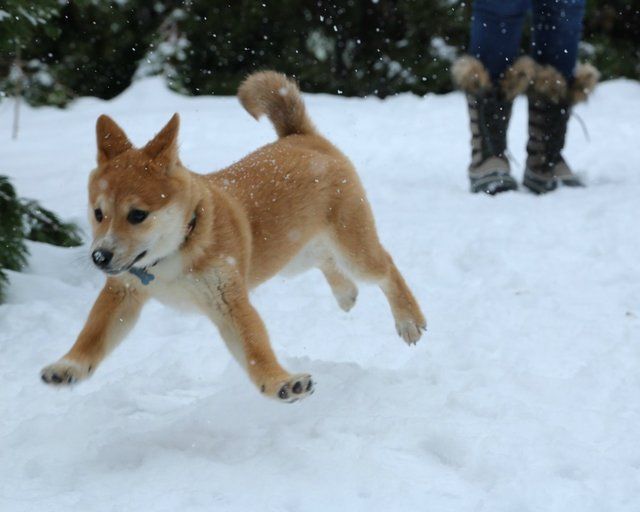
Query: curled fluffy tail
275	95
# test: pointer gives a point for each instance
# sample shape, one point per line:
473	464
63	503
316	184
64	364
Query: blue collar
142	274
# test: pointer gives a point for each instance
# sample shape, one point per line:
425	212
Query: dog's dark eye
98	214
137	216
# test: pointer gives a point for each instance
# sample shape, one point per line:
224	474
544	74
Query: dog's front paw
410	331
292	389
65	372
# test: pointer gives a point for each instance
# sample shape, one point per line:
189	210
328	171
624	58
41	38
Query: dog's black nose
101	257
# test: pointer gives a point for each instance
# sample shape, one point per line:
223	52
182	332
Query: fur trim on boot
470	76
549	83
518	78
585	79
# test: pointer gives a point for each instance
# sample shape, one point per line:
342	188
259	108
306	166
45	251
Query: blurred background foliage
53	50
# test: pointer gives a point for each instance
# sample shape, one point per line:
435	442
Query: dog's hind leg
357	244
344	289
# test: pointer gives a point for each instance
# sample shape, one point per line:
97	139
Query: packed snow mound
523	395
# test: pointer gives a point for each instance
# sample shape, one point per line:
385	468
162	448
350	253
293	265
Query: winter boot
550	103
489	113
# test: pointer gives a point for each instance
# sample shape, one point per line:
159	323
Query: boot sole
494	183
541	186
538	186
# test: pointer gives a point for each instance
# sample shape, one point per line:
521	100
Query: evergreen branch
36	217
25	219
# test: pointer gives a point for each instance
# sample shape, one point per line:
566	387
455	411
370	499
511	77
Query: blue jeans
496	29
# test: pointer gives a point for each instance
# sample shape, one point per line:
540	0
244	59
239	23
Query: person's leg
491	77
556	29
557	85
496	30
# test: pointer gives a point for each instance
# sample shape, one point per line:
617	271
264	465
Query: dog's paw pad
63	373
296	388
410	331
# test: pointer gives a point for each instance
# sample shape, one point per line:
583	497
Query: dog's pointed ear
111	139
163	148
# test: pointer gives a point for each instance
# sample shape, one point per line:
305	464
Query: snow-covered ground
523	396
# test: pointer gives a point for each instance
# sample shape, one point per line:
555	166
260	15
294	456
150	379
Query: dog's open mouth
115	272
137	259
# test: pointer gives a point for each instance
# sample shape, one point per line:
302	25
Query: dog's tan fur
297	202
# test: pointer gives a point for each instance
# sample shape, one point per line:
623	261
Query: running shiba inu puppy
163	231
